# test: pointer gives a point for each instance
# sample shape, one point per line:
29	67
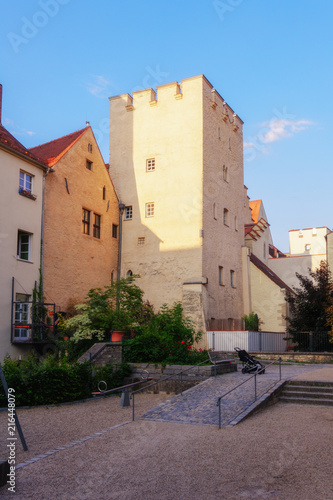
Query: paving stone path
198	405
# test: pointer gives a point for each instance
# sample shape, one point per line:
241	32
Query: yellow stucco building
176	160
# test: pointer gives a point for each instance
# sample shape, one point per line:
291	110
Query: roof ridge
59	138
9	141
51	152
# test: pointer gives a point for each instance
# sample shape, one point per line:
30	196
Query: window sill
24	260
28	194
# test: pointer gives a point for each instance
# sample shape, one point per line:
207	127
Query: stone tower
176	160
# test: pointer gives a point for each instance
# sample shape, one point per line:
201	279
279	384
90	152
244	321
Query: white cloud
99	86
279	128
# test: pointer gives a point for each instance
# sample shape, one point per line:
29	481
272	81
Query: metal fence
310	341
249	341
270	342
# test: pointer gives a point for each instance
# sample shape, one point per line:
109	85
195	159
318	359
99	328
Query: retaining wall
190	378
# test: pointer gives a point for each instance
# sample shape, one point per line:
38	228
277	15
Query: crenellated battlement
188	89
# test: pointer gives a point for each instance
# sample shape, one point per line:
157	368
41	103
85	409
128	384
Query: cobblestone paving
198	405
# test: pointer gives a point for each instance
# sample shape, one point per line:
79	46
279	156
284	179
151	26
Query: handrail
166	378
218	403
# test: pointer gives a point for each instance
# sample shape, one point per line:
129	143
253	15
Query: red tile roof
254	230
8	141
51	152
269	273
275	252
255	209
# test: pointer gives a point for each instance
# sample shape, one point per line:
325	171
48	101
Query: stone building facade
176	159
81	219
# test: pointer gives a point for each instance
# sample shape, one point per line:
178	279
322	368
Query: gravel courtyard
284	452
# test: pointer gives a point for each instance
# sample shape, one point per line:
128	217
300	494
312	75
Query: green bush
168	339
52	382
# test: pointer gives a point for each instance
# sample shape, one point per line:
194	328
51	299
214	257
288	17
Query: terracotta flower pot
117	336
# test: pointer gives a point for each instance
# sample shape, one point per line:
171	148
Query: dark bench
222	359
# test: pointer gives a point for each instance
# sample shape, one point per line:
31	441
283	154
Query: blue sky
270	59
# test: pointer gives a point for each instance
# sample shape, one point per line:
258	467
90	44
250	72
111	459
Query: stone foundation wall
302	357
190	378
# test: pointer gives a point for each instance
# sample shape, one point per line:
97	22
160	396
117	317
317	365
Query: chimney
0	102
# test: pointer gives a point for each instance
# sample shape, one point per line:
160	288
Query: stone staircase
307	392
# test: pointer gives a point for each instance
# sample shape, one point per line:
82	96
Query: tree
311	306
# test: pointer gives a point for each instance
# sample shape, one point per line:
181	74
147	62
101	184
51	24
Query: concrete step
307	394
306	401
308	388
309	383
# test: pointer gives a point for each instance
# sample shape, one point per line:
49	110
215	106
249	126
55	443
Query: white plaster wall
314	237
17	212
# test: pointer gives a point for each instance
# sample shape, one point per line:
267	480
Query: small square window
97	226
128	213
150	209
89	164
114	231
141	240
23	245
150	164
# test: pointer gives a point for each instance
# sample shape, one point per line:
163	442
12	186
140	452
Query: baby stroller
250	365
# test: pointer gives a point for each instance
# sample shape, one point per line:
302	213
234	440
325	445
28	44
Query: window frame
150	165
25	185
86	221
89	165
150	209
128	213
232	279
97	223
221	277
20	243
114	231
226	217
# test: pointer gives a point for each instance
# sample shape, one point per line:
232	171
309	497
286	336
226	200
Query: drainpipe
42	232
121	211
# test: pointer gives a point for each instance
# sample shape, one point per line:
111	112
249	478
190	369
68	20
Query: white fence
250	341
